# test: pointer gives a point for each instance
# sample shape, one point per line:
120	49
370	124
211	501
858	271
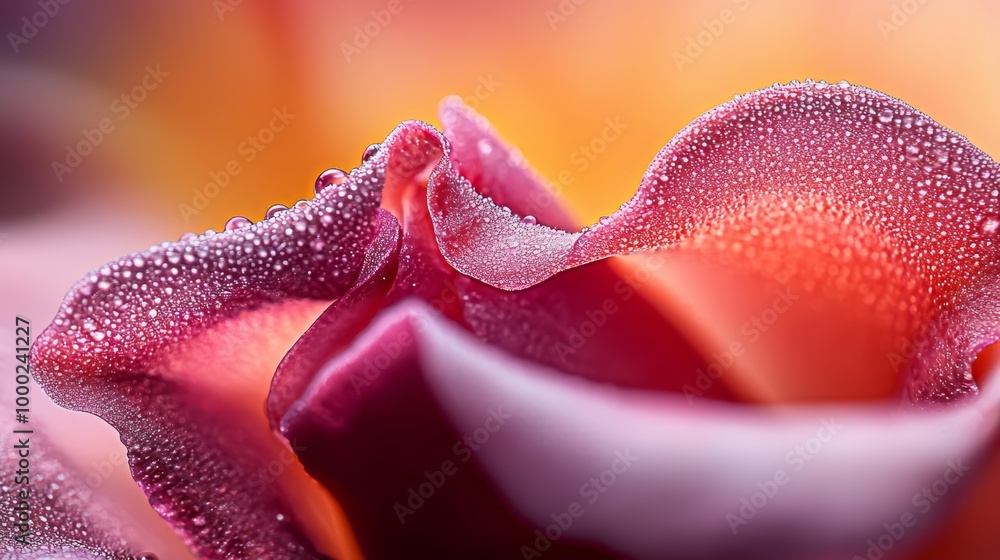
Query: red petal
354	409
880	219
340	323
66	518
496	169
590	321
672	474
175	347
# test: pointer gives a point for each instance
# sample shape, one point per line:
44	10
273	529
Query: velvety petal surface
463	450
176	348
58	516
877	222
590	321
793	217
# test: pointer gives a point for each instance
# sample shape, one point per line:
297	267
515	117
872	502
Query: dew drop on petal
989	224
237	222
885	115
332	176
529	220
273	210
370	151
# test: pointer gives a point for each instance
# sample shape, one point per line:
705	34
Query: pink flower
434	345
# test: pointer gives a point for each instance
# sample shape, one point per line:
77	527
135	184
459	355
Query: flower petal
590	321
880	219
496	169
367	421
340	322
459	448
176	346
63	517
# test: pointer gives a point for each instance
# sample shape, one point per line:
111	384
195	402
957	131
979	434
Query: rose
479	381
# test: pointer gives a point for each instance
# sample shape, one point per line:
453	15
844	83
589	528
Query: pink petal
591	321
496	169
67	519
340	322
880	219
371	404
176	346
681	470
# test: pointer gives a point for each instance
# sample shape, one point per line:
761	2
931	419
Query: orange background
556	78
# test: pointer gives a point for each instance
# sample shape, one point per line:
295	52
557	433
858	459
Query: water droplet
370	151
237	222
885	115
332	176
148	556
152	313
198	521
912	153
990	224
97	335
272	211
529	219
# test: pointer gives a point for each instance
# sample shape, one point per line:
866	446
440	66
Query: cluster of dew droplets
140	301
877	162
66	514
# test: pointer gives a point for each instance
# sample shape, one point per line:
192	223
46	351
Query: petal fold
494	448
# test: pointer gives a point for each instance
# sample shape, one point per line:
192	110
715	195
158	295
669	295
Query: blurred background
123	124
